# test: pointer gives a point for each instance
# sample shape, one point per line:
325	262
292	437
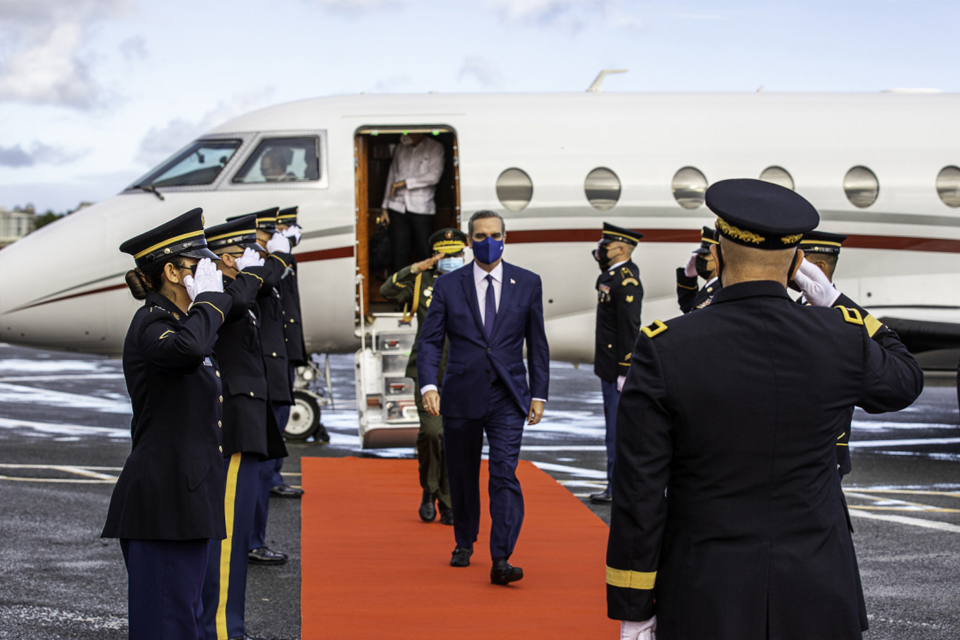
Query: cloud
134	49
568	14
38	153
160	142
354	6
43	59
478	68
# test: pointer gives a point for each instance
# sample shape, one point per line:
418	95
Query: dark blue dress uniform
690	296
168	501
728	520
250	434
829	244
290	298
619	300
276	367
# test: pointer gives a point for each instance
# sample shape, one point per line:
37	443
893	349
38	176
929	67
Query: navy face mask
488	250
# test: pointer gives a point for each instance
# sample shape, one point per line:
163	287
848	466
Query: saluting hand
431	402
690	270
278	243
250	258
423	265
816	286
207	278
536	412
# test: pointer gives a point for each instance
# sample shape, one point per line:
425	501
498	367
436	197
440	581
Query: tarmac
64	435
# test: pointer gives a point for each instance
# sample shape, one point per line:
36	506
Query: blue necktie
489	309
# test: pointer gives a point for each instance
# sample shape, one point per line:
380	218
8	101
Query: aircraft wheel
304	417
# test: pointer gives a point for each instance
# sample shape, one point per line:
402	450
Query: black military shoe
461	556
322	435
428	510
503	572
264	555
446	515
603	497
285	491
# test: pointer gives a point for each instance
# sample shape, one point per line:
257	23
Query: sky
93	93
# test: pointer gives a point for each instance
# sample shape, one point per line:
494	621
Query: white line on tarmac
917	522
65	376
576	471
585	447
60	428
865	444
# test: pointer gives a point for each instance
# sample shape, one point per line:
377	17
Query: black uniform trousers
225	586
611	398
409	230
463	446
165	579
268	473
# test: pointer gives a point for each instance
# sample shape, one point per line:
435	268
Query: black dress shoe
322	435
461	556
264	555
428	510
446	515
603	497
503	572
285	491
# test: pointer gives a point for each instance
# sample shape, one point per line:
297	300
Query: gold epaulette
628	276
654	330
853	316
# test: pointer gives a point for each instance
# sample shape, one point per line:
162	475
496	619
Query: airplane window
602	187
948	186
861	186
282	160
689	185
777	175
515	189
199	164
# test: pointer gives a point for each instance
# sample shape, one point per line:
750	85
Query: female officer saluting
168	501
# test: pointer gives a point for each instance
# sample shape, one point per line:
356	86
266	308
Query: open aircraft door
385	397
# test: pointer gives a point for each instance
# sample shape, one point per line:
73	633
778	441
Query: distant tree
46	218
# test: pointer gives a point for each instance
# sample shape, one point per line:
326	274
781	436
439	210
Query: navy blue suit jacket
455	315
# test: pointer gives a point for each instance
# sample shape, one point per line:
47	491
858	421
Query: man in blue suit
486	310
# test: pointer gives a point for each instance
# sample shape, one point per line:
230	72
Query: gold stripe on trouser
226	546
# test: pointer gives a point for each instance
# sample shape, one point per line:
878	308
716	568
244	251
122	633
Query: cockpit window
200	164
282	160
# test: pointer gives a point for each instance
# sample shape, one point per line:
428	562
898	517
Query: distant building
15	224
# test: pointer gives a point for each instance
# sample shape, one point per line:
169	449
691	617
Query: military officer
250	434
701	263
412	286
273	347
168	501
727	519
822	249
619	297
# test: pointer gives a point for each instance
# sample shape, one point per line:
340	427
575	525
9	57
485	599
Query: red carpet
372	569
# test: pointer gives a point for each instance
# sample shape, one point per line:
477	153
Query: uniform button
291	320
221	449
220	424
221	399
274	354
489	350
251	394
285	340
609	346
218	374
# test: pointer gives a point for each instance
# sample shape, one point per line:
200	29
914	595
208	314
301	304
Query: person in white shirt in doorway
408	202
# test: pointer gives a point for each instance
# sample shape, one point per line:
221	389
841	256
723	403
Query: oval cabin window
514	189
689	185
948	186
861	186
778	175
602	188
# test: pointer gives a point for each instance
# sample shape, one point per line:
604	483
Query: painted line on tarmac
88	475
917	522
867	444
572	447
574	471
65	376
920	492
893	504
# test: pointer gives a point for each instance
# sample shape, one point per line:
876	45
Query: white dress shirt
480	279
421	166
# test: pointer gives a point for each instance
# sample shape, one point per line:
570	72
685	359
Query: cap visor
252	245
701	251
200	253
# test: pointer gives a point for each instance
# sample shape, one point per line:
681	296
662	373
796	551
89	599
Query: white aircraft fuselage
62	287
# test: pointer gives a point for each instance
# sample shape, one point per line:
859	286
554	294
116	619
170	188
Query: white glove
691	269
620	381
250	258
293	232
278	243
207	278
816	287
638	630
